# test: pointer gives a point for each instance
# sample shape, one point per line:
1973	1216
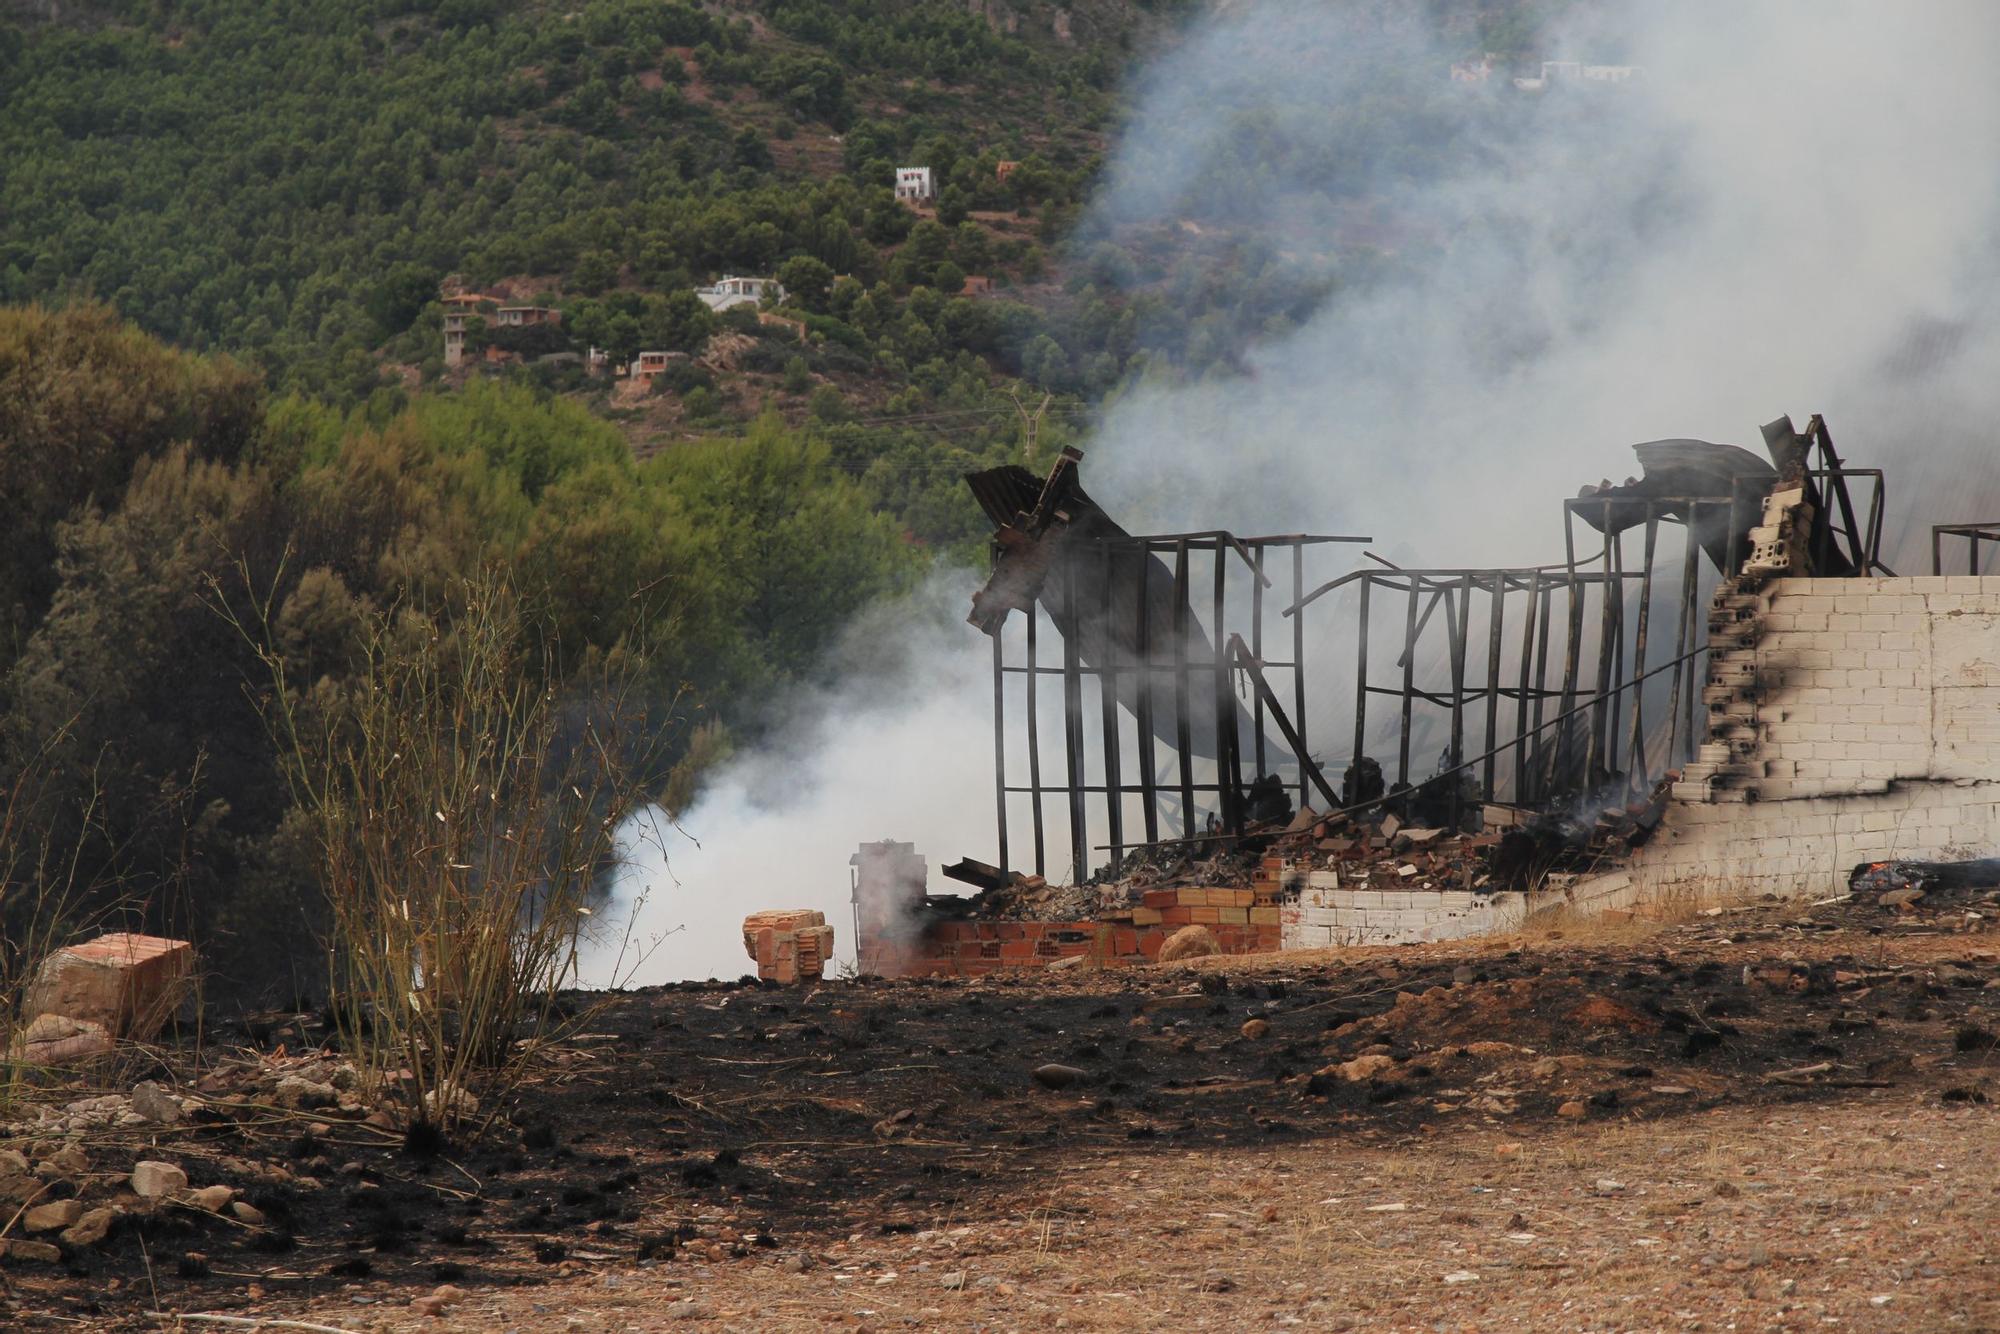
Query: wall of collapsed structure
1847	717
1858	721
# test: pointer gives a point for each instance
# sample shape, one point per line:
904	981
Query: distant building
733	291
459	308
650	364
522	317
976	284
1574	71
1002	170
1473	71
597	361
914	184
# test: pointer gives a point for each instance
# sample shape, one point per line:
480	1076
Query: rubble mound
1533	1012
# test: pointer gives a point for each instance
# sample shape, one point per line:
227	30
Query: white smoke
1791	210
899	748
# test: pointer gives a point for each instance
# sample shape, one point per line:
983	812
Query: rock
1053	1076
152	1180
1573	1110
68	1161
1256	1028
449	1102
1507	1148
55	1039
247	1213
155	1103
438	1301
1606	1186
686	1309
92	1227
889	1127
52	1217
37	1252
1072	961
1461	1276
214	1199
952	1282
1190	942
1463	976
1362	1067
1899	898
299	1094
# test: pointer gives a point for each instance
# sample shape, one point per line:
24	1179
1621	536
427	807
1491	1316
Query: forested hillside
291	182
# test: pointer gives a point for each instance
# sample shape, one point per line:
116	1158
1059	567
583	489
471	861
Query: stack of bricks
1243	921
788	943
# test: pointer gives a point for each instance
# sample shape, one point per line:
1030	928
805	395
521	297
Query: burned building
1720	689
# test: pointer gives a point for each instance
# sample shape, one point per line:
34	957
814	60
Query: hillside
293	186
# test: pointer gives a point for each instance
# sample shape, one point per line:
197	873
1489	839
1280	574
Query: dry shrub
463	805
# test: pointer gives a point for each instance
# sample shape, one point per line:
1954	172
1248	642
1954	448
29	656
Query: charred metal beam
1248	663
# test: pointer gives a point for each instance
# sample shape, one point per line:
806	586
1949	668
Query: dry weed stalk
463	809
51	892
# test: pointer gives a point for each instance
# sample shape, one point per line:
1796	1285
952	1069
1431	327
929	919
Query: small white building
733	291
915	184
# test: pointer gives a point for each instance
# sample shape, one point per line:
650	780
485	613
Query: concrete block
128	984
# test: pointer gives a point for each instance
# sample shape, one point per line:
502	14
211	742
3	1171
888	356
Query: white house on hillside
733	291
914	183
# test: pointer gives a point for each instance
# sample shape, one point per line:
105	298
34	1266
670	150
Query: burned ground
741	1124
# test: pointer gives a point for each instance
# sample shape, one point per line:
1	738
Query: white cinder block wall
1867	728
1855	720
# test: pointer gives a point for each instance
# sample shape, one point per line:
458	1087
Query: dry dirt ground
1774	1119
